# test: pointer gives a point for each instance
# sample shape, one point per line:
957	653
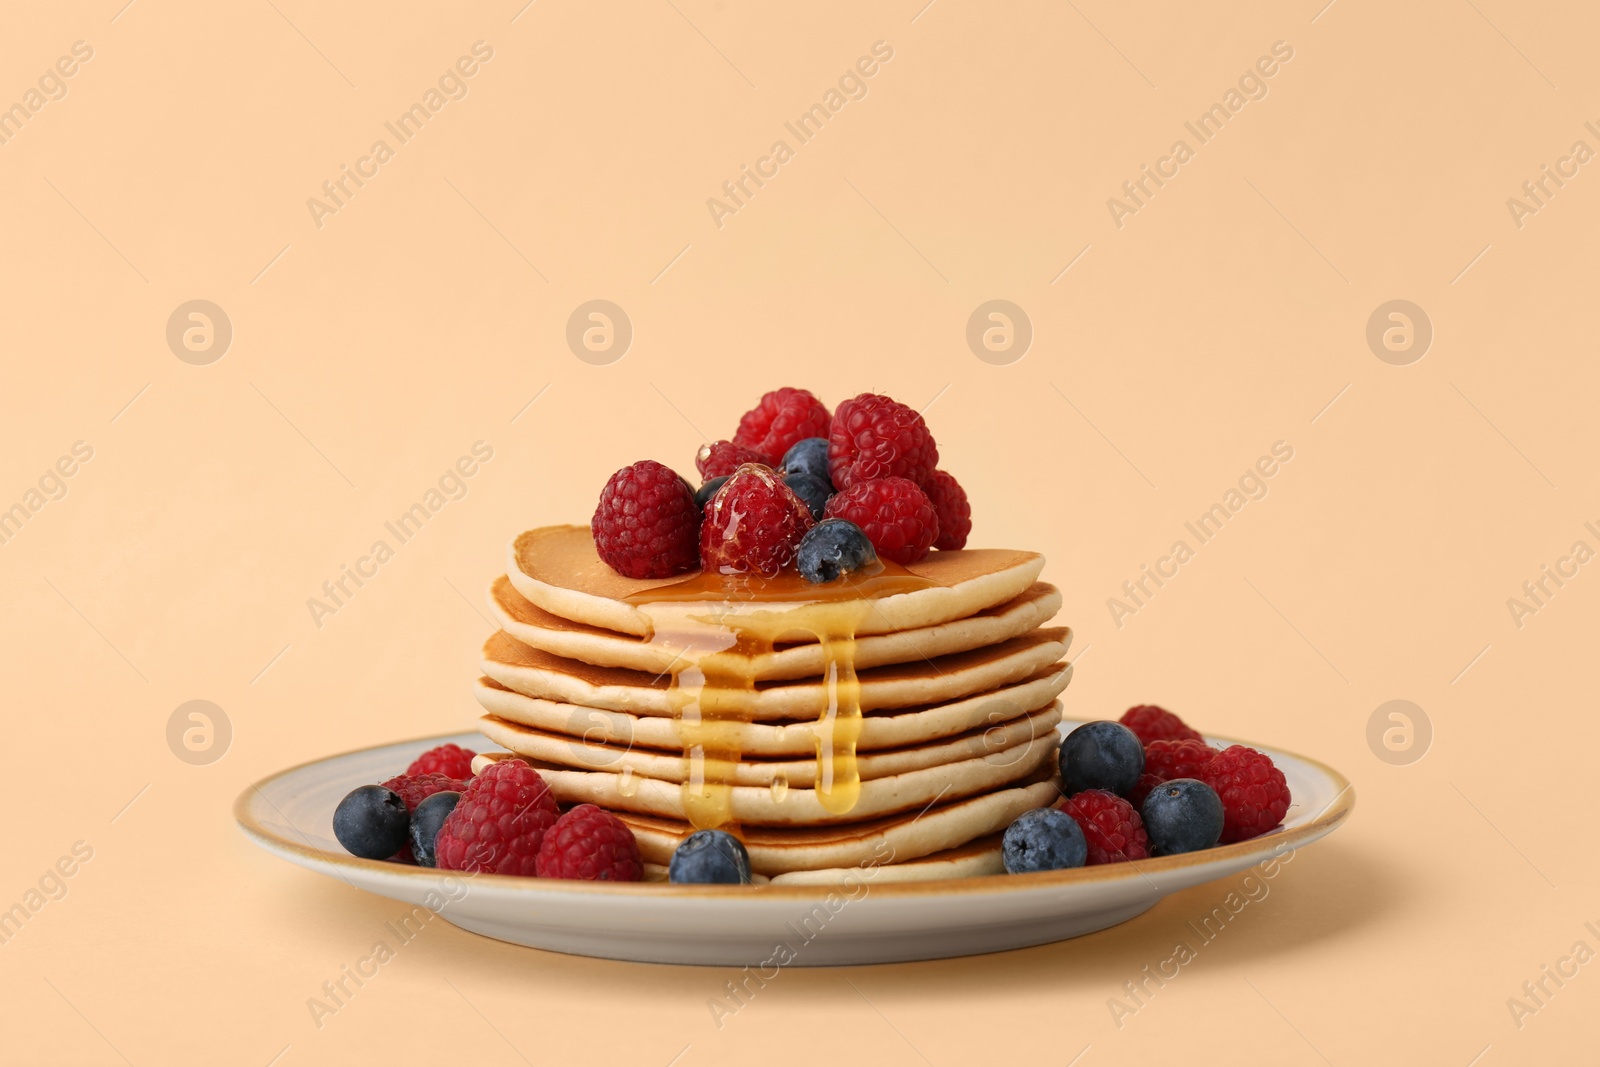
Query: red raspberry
950	504
1150	723
753	525
725	457
414	788
894	513
591	844
1111	827
445	759
784	418
499	822
647	524
1253	791
875	437
1166	760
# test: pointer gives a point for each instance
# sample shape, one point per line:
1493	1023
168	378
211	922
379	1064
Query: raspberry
445	759
1151	723
647	524
591	844
950	504
1253	791
415	787
499	822
875	437
783	418
753	525
894	513
725	457
1110	825
1166	760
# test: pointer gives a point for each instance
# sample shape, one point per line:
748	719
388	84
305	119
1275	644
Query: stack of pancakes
956	677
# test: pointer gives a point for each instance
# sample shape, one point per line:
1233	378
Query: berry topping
808	457
590	844
1181	815
1153	723
893	512
1254	795
1044	839
1111	827
499	822
452	760
753	525
703	495
833	547
647	524
371	822
725	457
950	505
875	437
426	820
710	857
1101	755
813	492
783	418
1166	760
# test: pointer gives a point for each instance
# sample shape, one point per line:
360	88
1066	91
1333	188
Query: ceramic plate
291	814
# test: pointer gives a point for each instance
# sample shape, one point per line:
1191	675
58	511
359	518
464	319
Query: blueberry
833	547
425	823
1101	755
809	457
371	822
710	857
1044	839
1183	815
704	494
813	492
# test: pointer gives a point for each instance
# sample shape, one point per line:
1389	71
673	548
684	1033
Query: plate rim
1322	823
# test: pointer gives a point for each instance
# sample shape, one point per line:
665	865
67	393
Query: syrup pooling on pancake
711	618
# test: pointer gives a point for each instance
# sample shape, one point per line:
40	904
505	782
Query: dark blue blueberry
1044	839
1101	755
710	857
813	492
425	823
704	494
1183	815
808	457
371	822
833	547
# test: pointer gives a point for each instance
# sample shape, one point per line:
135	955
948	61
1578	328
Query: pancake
982	856
861	849
565	751
799	807
539	674
879	729
557	569
538	628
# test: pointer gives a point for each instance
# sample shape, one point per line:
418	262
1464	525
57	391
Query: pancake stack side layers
899	720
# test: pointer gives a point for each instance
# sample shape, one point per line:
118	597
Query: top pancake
539	629
557	568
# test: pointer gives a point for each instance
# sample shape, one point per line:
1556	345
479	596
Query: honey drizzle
714	624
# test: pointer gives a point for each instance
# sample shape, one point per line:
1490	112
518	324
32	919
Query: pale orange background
368	355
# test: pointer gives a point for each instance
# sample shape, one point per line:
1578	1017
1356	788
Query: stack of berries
794	486
1146	786
503	821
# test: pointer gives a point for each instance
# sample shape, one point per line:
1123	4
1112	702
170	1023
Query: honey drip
714	625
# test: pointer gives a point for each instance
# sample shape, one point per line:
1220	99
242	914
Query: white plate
291	814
